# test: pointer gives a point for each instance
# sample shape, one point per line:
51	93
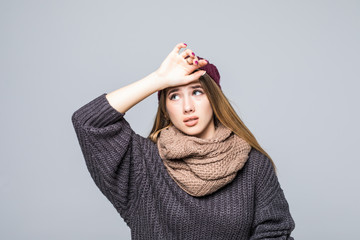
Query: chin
192	132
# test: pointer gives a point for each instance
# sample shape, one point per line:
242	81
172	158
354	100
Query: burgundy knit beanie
211	70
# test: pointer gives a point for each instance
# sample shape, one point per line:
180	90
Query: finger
179	46
202	63
194	76
196	61
192	61
187	53
188	59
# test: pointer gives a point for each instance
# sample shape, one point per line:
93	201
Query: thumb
195	76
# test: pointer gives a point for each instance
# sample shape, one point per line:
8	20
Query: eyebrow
177	89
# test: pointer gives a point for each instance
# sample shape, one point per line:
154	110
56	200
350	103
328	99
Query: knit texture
202	166
128	170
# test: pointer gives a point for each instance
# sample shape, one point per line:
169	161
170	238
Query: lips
191	121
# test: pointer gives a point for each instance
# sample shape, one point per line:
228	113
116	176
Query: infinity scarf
202	166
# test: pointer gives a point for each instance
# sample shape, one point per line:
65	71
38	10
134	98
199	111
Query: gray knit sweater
128	170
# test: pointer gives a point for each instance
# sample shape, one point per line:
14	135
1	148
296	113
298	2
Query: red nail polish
193	54
185	44
196	62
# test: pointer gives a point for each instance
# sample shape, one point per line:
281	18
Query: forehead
189	85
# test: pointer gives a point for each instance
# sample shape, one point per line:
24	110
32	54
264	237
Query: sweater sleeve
272	216
112	151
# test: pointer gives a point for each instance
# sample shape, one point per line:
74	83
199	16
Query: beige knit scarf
202	166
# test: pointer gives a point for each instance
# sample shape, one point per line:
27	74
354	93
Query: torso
168	209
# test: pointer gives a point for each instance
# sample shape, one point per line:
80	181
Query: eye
197	92
174	97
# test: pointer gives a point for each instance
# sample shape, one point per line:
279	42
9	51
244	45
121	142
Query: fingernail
185	44
196	62
193	53
203	73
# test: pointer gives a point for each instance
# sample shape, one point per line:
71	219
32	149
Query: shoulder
259	161
261	168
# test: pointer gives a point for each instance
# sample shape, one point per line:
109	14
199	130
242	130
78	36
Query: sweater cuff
97	113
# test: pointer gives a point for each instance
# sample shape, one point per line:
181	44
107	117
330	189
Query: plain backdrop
290	68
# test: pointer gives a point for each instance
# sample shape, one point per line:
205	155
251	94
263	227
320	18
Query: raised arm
175	70
115	155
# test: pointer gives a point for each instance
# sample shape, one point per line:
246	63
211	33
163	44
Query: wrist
158	81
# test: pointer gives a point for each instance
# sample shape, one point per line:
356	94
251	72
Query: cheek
208	111
171	109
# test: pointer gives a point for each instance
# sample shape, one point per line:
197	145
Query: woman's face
190	111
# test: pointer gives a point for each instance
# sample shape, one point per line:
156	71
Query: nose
188	105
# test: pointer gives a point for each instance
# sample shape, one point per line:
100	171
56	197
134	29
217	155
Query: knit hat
211	70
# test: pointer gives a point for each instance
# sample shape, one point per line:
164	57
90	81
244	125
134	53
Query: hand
176	69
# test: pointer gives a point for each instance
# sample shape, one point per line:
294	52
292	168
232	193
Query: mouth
191	121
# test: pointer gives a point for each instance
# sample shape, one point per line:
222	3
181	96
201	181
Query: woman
201	173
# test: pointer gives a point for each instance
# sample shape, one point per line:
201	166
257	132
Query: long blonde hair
223	112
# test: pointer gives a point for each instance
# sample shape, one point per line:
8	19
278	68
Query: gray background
291	69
